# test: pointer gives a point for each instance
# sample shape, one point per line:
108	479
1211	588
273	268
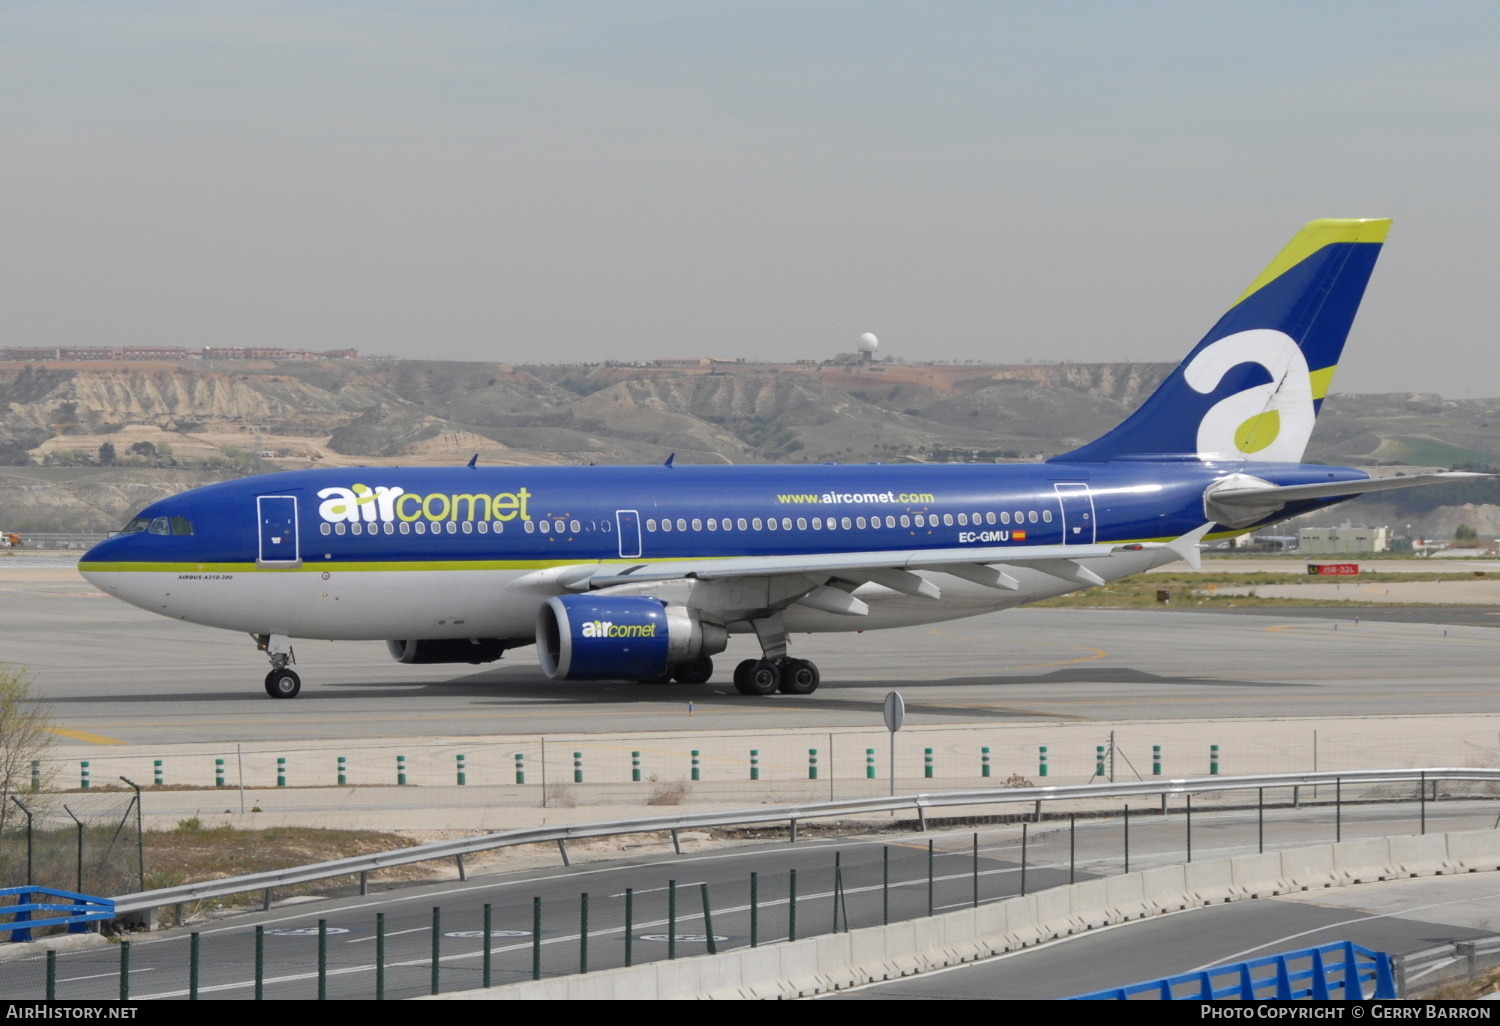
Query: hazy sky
562	181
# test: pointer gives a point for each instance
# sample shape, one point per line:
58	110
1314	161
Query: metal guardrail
1420	971
1338	970
78	910
792	814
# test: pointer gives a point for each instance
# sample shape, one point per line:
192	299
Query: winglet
474	461
1186	547
669	460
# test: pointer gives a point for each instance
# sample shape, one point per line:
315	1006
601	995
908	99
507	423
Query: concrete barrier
1256	876
1470	854
869	955
1364	861
1410	854
1209	882
1306	869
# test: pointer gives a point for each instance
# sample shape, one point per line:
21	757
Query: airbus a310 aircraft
643	573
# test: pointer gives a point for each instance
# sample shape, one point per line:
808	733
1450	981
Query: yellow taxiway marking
83	735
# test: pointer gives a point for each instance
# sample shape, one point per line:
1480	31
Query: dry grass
667	792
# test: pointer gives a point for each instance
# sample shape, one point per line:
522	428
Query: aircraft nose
104	580
95	568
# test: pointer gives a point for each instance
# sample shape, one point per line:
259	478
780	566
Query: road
963	865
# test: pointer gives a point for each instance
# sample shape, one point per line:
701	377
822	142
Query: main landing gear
282	681
768	676
775	671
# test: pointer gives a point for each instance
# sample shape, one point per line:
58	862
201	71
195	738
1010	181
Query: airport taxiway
108	669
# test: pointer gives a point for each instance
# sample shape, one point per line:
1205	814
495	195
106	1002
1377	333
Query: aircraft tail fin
1252	388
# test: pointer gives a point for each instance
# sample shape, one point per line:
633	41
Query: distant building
691	361
1319	541
72	354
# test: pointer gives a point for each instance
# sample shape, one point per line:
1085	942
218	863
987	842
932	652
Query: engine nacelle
448	650
619	637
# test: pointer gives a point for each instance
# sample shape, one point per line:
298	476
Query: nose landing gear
281	682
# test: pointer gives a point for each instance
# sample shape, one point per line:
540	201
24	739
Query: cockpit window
159	525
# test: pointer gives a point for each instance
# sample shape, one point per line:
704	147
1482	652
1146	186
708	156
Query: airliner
643	572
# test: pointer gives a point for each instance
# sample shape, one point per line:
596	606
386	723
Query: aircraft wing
891	567
1290	493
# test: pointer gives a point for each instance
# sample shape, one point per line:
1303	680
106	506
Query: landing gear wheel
695	671
283	683
799	677
757	677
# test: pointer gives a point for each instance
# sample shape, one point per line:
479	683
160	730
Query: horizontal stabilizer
1292	493
1186	547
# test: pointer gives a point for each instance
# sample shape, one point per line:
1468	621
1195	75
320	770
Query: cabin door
1078	515
276	516
629	523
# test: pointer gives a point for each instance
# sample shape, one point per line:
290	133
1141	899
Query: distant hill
190	422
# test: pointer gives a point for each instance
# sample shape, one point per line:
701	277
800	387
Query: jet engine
620	637
448	650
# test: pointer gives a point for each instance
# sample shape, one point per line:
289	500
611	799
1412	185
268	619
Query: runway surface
108	669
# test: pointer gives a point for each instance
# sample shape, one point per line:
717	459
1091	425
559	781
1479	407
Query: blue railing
78	912
1338	971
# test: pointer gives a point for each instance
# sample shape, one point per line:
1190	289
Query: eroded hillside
126	432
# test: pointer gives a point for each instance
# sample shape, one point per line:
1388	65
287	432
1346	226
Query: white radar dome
868	343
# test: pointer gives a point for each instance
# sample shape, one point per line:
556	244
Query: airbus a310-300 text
643	573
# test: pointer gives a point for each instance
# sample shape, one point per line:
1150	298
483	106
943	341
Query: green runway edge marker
1156	760
281	771
577	767
1041	767
927	763
218	772
156	768
463	774
520	768
343	771
755	764
812	764
1213	760
984	762
696	774
400	771
635	767
83	775
869	764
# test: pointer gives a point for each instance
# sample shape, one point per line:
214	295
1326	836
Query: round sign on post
895	715
895	711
